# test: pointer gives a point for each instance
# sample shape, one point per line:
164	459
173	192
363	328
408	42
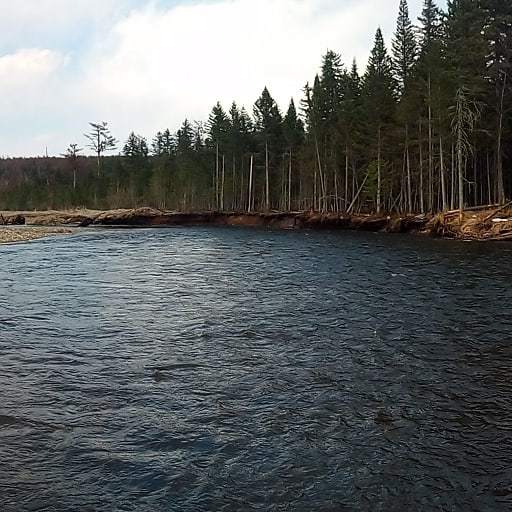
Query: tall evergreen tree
218	126
163	144
136	146
498	36
404	48
268	127
185	138
434	102
293	130
379	103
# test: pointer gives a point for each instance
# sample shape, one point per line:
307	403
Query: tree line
426	127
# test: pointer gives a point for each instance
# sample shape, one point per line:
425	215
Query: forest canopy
425	127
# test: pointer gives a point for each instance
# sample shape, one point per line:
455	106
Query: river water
206	369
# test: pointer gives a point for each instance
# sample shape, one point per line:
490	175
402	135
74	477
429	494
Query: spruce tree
163	144
434	100
268	127
498	36
135	147
467	54
404	60
404	48
218	126
293	129
185	138
466	46
379	104
331	88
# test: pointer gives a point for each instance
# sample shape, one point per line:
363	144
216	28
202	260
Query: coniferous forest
427	126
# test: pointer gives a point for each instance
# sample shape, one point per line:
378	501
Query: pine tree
163	144
218	126
268	127
100	141
135	147
404	48
466	45
379	103
185	138
498	36
466	52
404	61
293	130
331	87
431	27
72	155
431	91
350	118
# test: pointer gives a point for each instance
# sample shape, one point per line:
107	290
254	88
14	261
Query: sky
146	65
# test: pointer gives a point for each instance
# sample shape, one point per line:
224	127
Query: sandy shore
15	235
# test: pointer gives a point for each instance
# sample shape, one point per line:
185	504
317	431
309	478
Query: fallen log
495	212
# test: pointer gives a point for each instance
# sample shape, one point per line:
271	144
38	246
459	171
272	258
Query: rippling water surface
235	370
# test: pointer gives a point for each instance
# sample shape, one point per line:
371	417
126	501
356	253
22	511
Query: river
205	369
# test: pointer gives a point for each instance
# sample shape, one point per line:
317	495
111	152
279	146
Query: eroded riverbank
150	217
483	224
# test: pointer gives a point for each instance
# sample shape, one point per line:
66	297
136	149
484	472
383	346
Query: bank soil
489	223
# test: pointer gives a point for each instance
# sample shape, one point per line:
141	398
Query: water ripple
235	370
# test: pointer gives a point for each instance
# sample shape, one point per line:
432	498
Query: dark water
238	370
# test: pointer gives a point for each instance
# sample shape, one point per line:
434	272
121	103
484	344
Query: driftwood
495	212
451	213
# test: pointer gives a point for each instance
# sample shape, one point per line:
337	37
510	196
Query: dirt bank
149	217
489	223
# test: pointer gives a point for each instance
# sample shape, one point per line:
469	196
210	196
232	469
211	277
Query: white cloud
28	18
27	66
157	65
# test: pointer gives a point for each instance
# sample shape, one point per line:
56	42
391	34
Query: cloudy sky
145	65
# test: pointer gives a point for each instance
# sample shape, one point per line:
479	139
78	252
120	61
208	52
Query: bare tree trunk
356	196
475	190
461	172
233	200
489	189
422	197
379	173
499	155
315	187
430	149
290	183
409	184
443	177
241	203
320	171
250	208
98	157
337	200
267	179
452	195
345	206
217	172
223	181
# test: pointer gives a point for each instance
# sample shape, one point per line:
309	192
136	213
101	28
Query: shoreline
479	224
18	235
